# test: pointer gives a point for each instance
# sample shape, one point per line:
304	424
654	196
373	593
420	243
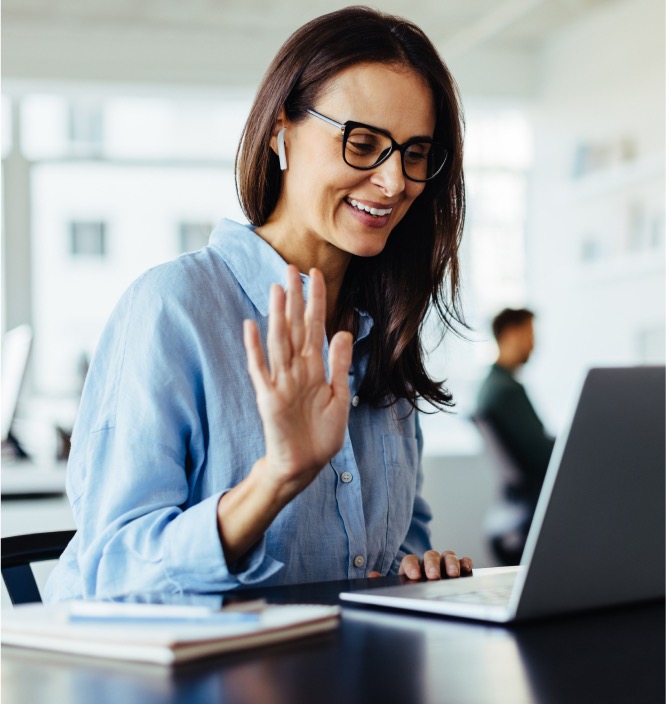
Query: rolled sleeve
192	547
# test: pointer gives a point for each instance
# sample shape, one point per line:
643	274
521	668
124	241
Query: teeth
377	212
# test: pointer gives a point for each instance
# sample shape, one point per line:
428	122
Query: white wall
602	85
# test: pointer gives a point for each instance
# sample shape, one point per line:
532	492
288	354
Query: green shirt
504	404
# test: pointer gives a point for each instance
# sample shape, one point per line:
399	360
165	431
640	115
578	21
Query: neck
305	253
507	361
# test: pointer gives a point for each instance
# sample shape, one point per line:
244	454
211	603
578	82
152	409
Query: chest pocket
400	467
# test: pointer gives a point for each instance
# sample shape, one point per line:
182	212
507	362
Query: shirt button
359	561
355	401
346	477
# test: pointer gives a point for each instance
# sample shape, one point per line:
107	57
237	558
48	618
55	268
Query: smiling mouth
375	212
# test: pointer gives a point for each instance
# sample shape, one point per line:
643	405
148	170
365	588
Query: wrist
245	512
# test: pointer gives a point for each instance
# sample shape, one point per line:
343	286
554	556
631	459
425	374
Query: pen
101	612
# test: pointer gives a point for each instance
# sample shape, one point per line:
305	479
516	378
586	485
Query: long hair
419	266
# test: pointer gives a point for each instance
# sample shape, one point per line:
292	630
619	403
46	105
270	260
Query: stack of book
160	633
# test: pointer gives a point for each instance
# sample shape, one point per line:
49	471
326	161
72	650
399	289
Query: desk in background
23	479
379	656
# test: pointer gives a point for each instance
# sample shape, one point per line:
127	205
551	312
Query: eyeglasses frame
347	127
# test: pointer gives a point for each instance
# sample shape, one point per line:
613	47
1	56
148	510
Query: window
87	239
86	127
117	184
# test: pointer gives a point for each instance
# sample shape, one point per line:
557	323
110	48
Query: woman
350	173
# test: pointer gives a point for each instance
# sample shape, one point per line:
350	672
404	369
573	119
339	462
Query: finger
315	315
410	567
256	362
466	565
339	361
295	309
374	575
450	563
279	346
431	564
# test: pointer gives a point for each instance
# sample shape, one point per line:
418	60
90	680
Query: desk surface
381	656
25	479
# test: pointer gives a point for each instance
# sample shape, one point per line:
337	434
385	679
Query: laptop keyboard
495	596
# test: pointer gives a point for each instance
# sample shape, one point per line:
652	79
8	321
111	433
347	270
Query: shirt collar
254	263
365	323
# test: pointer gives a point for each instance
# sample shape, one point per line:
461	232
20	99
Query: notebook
597	538
160	633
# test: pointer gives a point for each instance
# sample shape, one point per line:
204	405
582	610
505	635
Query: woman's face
323	199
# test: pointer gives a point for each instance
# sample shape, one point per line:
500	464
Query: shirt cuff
194	559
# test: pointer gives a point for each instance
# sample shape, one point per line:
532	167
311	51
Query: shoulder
193	284
498	385
236	266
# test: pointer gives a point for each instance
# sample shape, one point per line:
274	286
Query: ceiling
491	45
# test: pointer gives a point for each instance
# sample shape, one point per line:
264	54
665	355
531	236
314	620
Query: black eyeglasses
366	147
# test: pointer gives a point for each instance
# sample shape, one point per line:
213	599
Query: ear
280	123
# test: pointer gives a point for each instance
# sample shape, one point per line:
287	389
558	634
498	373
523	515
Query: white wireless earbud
282	154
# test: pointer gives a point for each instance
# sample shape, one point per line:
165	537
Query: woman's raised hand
304	415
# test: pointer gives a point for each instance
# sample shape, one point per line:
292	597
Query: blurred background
120	122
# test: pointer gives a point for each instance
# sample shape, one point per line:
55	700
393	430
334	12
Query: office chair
507	522
19	551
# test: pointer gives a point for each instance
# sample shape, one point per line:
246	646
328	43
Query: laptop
597	538
16	345
21	477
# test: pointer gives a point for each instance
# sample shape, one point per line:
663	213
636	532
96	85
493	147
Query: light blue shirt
168	422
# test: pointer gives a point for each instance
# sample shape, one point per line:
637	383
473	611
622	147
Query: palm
304	416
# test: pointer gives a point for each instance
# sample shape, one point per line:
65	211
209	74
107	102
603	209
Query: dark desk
378	656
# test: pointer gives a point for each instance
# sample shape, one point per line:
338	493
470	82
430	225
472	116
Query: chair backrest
19	552
509	471
505	516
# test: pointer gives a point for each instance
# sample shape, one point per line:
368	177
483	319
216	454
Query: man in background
505	410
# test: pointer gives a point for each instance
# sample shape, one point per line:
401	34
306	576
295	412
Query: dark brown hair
419	266
510	318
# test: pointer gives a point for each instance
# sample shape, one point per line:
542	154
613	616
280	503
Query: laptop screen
15	353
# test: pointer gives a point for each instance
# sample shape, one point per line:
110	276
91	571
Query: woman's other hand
434	565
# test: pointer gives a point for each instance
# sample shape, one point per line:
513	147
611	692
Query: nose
388	175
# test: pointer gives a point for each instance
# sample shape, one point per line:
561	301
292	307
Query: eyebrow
388	132
336	123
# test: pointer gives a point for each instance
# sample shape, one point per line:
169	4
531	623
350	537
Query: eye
364	143
417	152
